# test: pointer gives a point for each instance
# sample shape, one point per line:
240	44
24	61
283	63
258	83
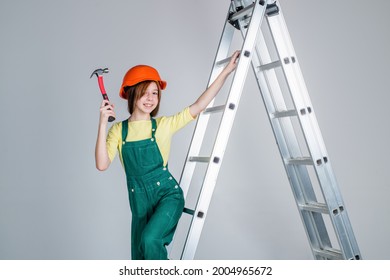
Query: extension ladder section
268	49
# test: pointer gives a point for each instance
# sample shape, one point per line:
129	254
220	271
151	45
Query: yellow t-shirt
140	130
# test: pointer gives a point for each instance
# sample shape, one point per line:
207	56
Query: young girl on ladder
143	142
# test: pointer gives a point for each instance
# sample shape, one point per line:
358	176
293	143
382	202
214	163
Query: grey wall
54	204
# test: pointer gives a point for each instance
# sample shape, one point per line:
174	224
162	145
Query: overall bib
156	200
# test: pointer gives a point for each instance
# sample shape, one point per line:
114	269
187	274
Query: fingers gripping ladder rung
222	62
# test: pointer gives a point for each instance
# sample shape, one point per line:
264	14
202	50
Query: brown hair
134	93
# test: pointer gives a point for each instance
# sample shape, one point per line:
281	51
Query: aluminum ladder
268	48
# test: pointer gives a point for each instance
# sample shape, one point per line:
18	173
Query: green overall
156	200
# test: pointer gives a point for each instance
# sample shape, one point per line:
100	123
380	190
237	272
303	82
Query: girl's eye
155	93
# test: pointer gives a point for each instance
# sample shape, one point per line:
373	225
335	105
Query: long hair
134	93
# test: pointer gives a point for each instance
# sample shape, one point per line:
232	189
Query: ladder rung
329	253
300	161
214	109
188	211
270	65
286	113
199	159
315	207
222	62
242	13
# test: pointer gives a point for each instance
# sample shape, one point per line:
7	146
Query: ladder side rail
342	223
223	132
314	140
329	183
325	170
268	82
202	121
311	138
299	95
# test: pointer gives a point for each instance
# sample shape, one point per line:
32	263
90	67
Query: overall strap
154	127
125	128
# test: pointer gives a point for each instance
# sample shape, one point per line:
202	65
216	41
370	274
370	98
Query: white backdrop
54	204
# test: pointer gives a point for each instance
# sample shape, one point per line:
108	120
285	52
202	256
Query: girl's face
148	101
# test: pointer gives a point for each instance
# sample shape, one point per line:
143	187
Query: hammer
99	74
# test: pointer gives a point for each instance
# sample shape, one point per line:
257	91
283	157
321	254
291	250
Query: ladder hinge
272	9
233	20
240	14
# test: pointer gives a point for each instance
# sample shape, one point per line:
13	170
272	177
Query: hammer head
99	72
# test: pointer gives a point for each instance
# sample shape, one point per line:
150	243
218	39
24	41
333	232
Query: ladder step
300	161
329	253
189	211
222	62
214	109
286	113
315	207
199	159
270	65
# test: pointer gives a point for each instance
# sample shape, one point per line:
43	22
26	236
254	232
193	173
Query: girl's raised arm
101	155
201	103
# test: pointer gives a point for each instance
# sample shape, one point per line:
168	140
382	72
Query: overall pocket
149	156
138	200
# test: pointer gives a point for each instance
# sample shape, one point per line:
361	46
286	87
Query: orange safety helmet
139	74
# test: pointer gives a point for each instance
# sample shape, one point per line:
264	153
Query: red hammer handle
101	86
104	94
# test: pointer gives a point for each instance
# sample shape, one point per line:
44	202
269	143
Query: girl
143	142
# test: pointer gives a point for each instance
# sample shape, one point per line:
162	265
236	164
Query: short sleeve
177	121
114	138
